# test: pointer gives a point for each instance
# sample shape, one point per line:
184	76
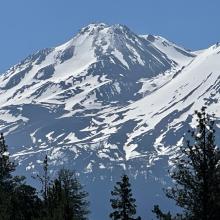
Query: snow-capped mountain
106	101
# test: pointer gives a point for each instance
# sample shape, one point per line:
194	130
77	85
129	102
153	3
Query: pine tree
123	204
160	215
25	203
166	216
17	200
45	187
67	199
6	166
196	173
44	179
6	169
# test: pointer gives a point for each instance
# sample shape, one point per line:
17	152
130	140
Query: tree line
196	188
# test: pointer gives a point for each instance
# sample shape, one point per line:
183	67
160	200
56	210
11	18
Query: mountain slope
107	101
173	51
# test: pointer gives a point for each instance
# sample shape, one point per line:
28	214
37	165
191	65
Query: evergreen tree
196	174
45	187
6	166
44	180
166	216
123	204
17	200
25	203
160	215
66	198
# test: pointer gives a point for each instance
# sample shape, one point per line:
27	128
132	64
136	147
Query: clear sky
29	25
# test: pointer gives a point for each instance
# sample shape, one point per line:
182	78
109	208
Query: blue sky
30	25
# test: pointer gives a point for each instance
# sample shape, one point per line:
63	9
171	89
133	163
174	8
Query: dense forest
195	174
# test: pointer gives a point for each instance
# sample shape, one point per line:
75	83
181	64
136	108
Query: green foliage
25	203
160	215
6	166
123	204
18	201
166	216
196	173
66	198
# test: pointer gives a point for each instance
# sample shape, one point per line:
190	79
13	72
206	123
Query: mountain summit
108	101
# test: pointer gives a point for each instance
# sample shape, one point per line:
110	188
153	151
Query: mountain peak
104	101
95	28
114	49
